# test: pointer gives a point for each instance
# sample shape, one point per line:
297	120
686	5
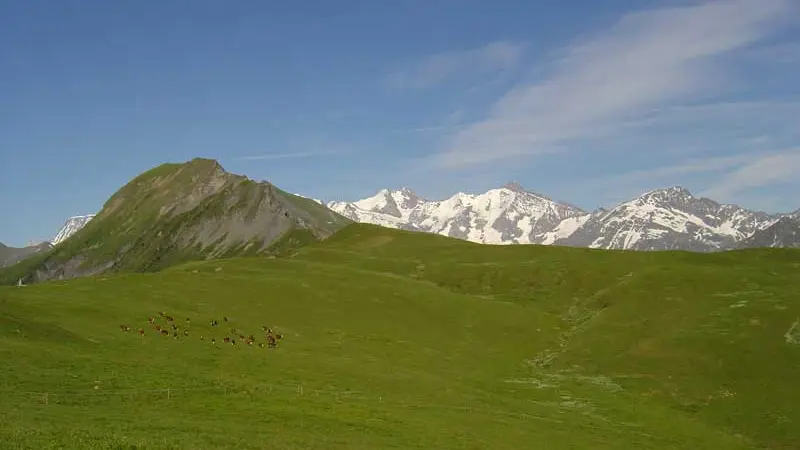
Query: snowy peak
500	216
782	233
71	226
670	218
662	219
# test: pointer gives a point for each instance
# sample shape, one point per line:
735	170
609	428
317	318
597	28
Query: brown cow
141	331
227	339
164	332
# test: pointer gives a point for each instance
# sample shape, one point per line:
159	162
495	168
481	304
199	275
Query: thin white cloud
645	61
765	171
658	175
435	69
307	154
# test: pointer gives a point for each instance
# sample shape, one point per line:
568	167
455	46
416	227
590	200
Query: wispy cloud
770	169
659	175
435	69
647	60
289	155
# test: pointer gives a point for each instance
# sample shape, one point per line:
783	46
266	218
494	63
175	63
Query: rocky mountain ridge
180	212
663	219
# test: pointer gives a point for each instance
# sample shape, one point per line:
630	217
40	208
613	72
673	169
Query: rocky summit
181	212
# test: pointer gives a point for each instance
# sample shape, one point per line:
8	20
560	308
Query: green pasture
406	340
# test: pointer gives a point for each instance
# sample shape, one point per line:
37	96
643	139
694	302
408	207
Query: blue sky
584	101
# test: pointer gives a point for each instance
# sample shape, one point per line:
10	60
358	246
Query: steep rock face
668	219
71	226
784	233
179	212
509	215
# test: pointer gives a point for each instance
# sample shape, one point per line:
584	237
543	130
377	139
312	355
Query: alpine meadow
200	309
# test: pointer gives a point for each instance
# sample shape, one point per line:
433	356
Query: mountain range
663	219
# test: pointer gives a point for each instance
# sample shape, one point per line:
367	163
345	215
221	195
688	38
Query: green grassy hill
405	340
180	212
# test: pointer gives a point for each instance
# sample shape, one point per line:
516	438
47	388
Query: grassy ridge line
181	212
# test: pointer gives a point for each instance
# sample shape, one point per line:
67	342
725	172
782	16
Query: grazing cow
227	339
185	332
124	328
213	341
202	338
170	318
162	313
214	322
261	344
151	320
279	336
175	335
164	332
187	320
225	318
158	327
141	331
271	342
174	327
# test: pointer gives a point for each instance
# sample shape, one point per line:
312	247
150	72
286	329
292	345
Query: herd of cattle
169	327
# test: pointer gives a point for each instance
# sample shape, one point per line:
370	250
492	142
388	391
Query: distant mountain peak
70	227
661	219
514	186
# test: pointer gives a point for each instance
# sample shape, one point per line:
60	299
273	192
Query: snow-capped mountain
784	233
71	226
667	219
663	219
509	215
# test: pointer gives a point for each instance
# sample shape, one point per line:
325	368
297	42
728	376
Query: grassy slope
133	230
406	340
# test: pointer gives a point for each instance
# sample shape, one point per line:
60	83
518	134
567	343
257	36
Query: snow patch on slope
71	226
